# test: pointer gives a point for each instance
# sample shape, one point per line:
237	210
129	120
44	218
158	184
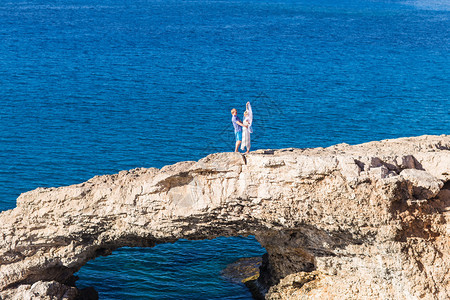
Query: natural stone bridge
368	221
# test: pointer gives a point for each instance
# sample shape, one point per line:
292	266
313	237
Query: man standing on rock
237	124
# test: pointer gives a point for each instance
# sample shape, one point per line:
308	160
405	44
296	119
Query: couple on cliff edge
242	129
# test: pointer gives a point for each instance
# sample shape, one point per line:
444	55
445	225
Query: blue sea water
95	87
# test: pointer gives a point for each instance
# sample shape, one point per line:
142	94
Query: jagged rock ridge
344	222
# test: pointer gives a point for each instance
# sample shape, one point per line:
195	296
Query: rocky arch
367	220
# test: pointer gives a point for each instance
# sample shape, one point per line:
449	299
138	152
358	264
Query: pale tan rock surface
368	221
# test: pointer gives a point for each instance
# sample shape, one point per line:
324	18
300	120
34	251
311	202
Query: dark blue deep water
94	87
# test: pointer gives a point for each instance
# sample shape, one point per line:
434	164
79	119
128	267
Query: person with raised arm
247	130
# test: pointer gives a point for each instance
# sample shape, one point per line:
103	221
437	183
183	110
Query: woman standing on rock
247	130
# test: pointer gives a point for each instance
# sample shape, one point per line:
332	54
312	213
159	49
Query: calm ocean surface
90	89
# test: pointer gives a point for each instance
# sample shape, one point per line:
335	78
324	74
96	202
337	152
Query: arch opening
184	269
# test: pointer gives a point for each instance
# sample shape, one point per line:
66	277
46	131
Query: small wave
436	5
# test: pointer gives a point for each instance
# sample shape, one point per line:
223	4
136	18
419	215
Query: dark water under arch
186	269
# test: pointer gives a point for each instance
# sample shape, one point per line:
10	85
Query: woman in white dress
246	131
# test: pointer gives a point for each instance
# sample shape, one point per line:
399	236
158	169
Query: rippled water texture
90	89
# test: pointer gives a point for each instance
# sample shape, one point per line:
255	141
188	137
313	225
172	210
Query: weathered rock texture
346	222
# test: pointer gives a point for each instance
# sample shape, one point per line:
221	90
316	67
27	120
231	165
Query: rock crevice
343	222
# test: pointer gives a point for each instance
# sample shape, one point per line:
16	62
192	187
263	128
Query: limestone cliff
346	222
